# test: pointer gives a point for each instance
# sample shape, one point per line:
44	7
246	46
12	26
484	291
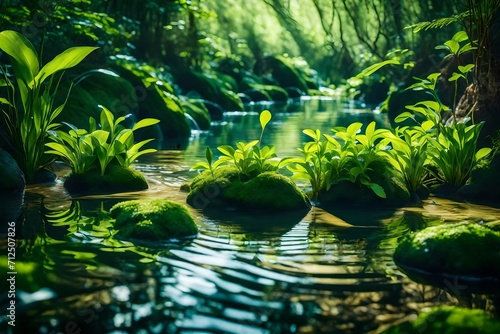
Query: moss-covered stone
209	87
157	99
198	112
266	192
97	87
116	179
282	72
449	320
153	220
460	249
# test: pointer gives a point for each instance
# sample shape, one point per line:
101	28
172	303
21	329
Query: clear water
322	273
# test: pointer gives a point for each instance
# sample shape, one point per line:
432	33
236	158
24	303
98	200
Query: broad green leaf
67	59
370	130
227	150
455	76
107	120
5	101
453	46
200	165
482	153
101	135
378	190
403	117
25	60
209	155
264	118
311	133
145	122
460	36
375	67
465	69
250	145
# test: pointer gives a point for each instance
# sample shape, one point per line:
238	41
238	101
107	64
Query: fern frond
439	23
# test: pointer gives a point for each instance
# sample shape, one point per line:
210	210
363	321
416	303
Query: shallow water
319	273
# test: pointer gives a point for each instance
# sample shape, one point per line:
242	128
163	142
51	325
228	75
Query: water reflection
320	272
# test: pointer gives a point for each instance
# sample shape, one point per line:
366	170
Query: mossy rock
97	87
157	99
265	192
463	249
282	71
210	88
198	112
448	320
12	180
152	220
117	179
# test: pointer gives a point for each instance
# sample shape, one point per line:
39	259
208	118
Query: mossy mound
117	179
209	87
153	220
462	249
156	98
265	192
283	72
448	320
198	112
97	87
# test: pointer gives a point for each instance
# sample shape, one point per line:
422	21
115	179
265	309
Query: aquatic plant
348	155
85	150
29	107
247	157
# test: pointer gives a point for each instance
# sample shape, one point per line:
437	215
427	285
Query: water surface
321	273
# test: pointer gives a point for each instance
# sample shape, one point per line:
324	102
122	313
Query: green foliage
247	157
84	150
409	155
454	152
30	110
348	155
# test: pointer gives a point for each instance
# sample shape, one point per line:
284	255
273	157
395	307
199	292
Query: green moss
449	320
154	220
116	179
199	113
156	99
267	191
459	249
97	88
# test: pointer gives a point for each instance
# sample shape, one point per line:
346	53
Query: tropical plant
348	155
409	154
454	152
247	157
85	150
28	112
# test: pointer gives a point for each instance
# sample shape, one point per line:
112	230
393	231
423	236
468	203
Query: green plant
84	150
29	107
348	155
247	157
454	152
409	154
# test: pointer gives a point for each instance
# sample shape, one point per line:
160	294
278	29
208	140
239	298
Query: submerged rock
448	319
463	249
116	179
153	220
12	180
265	192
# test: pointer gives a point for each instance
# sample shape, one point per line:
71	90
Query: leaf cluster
249	158
28	112
98	147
